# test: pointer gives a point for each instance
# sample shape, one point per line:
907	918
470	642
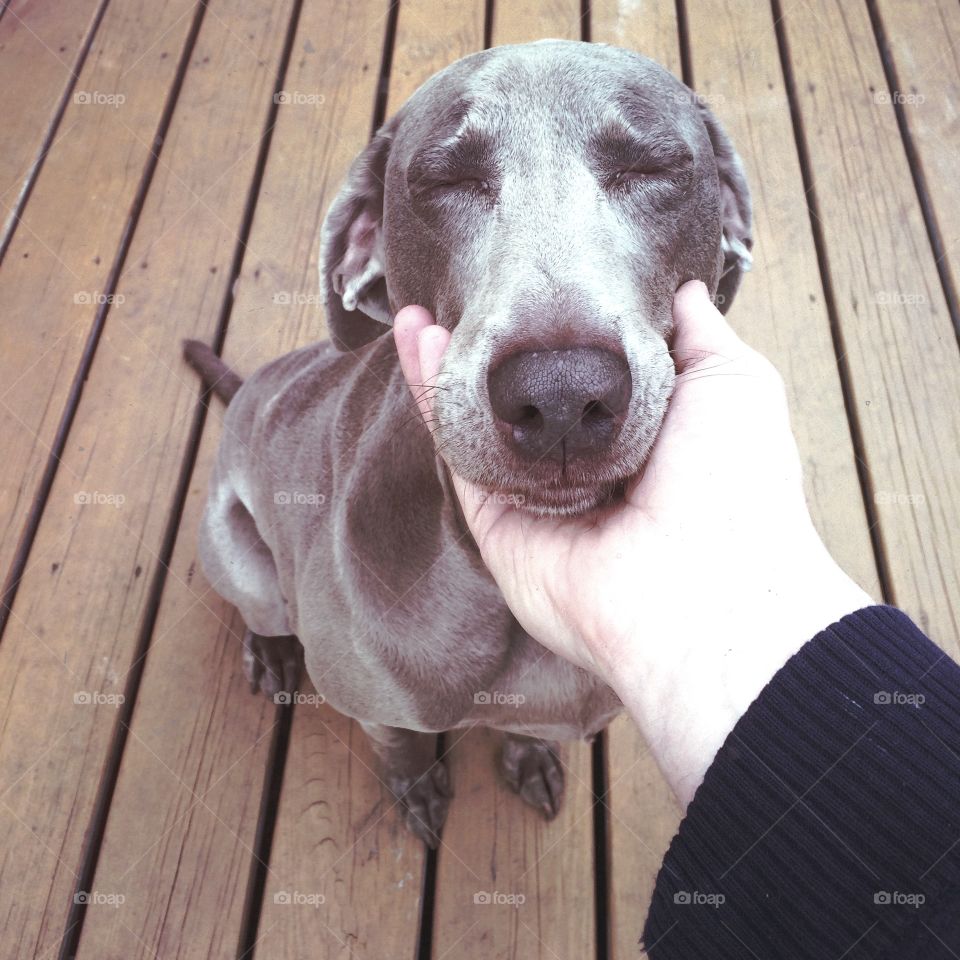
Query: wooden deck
151	188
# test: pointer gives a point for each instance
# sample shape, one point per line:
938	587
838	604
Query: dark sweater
828	824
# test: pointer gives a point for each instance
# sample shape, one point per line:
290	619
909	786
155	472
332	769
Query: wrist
687	690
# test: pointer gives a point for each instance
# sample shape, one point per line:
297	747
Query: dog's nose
561	404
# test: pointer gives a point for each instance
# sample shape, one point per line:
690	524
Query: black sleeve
828	824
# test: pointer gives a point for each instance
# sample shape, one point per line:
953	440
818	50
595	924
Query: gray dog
544	202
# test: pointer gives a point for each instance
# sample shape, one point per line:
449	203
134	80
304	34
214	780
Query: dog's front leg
414	776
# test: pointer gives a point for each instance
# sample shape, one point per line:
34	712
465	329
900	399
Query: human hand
687	596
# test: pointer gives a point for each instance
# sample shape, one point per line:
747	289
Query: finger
432	342
700	330
407	327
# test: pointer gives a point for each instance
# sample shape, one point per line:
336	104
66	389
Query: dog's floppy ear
737	240
352	278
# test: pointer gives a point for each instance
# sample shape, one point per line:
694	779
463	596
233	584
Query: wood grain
345	878
646	26
510	884
184	811
894	327
431	34
345	875
535	20
924	40
50	38
54	274
73	629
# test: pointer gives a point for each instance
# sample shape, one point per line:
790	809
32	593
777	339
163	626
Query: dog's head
544	202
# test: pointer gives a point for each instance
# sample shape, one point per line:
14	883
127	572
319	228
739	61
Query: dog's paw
424	802
532	768
272	665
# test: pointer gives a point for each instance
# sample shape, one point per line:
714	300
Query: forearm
687	700
827	824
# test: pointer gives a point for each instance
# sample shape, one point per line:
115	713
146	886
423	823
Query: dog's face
544	202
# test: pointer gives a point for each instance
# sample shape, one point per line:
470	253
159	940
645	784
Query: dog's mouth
548	490
560	501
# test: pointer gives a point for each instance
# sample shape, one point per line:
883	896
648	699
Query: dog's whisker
690	378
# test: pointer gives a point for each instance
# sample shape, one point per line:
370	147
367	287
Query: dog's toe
425	802
532	768
272	665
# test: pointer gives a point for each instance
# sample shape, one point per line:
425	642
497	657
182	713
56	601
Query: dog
544	201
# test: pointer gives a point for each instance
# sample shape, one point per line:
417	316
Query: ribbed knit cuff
828	824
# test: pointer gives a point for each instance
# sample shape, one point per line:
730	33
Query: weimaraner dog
544	201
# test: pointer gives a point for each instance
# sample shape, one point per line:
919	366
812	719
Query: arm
828	825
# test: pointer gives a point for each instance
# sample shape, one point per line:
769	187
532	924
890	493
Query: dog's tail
216	375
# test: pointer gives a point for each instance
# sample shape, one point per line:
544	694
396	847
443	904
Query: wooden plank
642	818
58	263
431	35
924	40
536	20
647	26
41	46
509	884
74	626
182	822
345	874
896	332
345	877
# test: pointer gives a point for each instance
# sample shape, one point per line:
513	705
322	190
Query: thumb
700	330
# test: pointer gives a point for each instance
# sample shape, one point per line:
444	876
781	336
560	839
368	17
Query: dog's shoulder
280	390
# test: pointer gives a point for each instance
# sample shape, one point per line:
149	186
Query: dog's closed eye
459	164
625	157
